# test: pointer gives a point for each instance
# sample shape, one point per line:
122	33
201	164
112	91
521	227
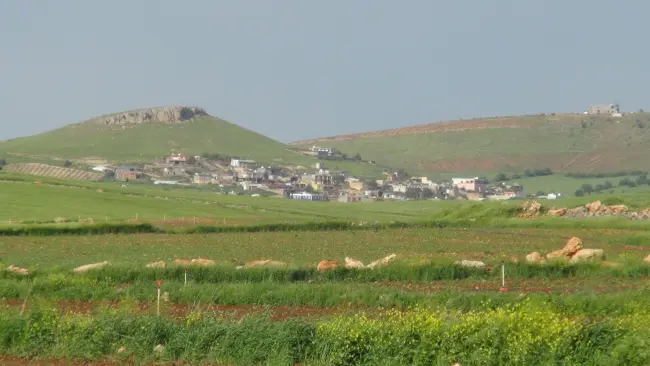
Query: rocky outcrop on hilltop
175	114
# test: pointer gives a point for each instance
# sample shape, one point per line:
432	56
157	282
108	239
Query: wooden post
503	275
185	276
158	303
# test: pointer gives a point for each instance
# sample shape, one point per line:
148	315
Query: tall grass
523	334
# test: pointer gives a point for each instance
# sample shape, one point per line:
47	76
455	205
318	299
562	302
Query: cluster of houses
318	184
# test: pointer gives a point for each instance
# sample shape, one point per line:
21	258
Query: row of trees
605	175
502	177
607	185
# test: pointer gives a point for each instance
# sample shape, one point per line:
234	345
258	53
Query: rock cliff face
175	114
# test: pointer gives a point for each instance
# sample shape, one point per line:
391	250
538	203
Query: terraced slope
563	142
44	170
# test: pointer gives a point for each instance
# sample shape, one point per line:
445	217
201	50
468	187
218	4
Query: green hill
144	135
135	142
562	142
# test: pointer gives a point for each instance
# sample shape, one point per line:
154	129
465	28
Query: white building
306	196
241	163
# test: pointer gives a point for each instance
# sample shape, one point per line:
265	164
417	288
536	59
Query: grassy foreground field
421	309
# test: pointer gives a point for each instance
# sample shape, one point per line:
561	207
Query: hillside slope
204	134
566	142
44	170
148	134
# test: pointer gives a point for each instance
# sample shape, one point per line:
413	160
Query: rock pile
263	263
597	208
88	267
18	270
351	263
529	210
573	251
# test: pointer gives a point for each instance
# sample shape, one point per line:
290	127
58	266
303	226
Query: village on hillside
319	182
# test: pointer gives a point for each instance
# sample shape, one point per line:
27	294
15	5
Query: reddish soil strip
176	310
524	286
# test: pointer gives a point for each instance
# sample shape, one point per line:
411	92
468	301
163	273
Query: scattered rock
203	262
159	348
514	259
618	209
593	206
570	248
353	263
647	259
121	350
327	265
382	262
557	212
530	210
182	262
472	264
18	270
165	296
88	267
88	221
535	257
263	262
583	255
60	220
160	264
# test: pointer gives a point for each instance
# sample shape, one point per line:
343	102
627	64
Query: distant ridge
563	142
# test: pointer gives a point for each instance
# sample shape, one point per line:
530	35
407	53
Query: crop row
624	296
468	223
394	272
521	334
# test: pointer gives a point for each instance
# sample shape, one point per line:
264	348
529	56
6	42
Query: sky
295	69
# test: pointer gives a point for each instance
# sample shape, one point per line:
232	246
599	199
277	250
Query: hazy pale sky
295	69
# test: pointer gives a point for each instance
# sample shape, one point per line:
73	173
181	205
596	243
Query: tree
3	162
516	176
587	188
67	163
599	187
540	193
625	182
501	177
191	160
579	193
608	185
528	173
357	157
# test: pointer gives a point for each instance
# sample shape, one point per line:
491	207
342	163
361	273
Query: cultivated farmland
248	281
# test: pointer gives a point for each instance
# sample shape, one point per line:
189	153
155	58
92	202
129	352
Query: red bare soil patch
195	221
175	310
564	285
573	162
446	126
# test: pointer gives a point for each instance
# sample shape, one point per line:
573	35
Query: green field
564	143
571	314
420	309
